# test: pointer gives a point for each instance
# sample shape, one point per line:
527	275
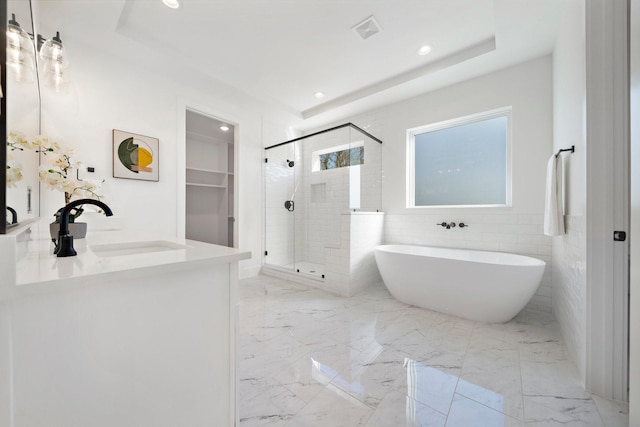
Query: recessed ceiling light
173	4
424	50
319	95
224	128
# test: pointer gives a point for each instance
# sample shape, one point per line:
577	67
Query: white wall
528	89
569	251
109	92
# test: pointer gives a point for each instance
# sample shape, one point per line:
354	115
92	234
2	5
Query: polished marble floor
306	267
309	358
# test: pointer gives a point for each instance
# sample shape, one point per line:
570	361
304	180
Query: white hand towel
553	207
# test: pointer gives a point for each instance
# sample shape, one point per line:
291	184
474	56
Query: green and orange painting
135	155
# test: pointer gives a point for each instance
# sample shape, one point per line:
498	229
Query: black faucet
448	226
64	246
14	215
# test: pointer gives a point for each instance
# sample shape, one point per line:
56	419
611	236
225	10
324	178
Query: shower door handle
289	205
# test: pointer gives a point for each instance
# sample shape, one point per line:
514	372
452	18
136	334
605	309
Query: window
461	162
338	157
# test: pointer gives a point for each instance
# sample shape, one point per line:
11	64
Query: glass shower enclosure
311	182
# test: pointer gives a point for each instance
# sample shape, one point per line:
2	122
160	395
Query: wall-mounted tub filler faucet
14	215
447	225
64	247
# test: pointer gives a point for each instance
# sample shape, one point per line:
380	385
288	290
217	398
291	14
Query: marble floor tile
542	350
492	377
466	413
307	376
552	378
371	374
309	358
332	407
272	405
613	413
399	410
561	411
430	386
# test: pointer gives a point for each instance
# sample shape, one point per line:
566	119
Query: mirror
22	96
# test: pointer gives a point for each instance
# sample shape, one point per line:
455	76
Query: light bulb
173	4
424	50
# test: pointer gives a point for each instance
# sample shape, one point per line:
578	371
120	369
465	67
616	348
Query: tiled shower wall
324	195
351	267
514	233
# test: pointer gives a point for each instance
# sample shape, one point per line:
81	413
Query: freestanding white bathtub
476	285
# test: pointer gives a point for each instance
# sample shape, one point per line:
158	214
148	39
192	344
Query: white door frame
607	115
634	304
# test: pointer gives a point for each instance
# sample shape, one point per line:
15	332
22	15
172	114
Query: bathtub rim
483	255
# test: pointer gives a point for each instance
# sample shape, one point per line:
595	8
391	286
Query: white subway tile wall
352	266
367	232
514	233
569	287
319	216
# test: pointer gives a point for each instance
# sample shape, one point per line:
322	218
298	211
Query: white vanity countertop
113	253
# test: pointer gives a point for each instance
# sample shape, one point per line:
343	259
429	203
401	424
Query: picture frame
135	156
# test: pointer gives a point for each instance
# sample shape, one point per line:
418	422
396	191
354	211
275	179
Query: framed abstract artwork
135	156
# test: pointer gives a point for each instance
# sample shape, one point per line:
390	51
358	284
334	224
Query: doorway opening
210	180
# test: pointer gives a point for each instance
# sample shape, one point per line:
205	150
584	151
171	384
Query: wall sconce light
20	52
54	61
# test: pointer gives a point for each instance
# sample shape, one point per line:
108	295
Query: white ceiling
209	126
283	51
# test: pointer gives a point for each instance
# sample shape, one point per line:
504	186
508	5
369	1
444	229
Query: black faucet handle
442	224
65	246
463	225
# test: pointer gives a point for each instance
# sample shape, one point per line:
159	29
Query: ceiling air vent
367	28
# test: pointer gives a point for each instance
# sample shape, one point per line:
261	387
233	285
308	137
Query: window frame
315	155
459	121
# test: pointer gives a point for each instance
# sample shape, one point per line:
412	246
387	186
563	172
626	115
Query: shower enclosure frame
292	224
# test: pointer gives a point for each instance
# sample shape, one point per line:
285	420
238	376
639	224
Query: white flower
14	174
17	141
58	170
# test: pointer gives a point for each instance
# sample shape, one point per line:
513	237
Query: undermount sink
134	248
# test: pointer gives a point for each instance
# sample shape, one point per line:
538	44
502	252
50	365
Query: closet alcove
209	179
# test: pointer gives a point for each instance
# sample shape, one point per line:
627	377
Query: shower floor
307	268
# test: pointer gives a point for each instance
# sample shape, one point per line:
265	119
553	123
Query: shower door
280	206
312	182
